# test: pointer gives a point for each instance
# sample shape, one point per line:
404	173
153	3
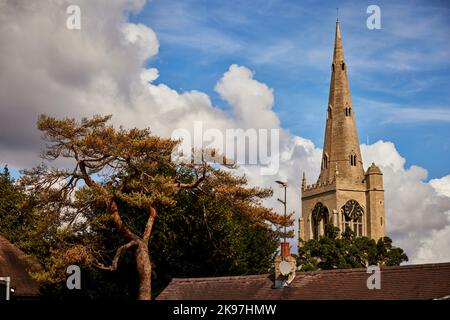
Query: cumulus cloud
442	185
247	96
47	68
435	248
149	75
417	211
100	69
143	38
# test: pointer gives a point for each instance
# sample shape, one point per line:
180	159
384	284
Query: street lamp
283	185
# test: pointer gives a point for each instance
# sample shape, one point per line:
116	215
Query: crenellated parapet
318	187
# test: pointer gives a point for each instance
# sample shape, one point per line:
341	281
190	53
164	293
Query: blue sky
399	75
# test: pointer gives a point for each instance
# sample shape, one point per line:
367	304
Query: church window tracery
319	213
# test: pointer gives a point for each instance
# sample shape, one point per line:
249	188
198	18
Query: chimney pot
285	249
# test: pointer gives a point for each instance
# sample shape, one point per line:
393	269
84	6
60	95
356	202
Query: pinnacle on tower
304	184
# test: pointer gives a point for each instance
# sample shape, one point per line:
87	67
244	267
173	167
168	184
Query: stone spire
341	151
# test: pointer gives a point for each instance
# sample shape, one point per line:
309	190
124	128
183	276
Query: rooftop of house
14	263
424	281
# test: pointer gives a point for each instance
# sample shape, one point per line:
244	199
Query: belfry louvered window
348	111
325	161
353	160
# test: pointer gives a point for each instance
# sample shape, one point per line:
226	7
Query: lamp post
283	185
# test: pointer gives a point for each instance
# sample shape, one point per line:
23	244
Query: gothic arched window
343	65
315	228
358	226
319	213
329	114
332	67
345	222
325	218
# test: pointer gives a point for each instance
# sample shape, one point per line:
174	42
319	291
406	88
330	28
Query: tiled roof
426	281
15	263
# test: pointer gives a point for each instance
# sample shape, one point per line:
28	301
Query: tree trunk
142	257
144	269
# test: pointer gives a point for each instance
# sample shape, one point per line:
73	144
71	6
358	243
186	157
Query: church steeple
341	150
344	194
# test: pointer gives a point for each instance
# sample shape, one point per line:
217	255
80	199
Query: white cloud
435	248
383	153
248	97
149	75
415	211
143	37
99	69
442	185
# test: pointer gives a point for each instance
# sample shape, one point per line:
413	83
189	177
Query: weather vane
337	14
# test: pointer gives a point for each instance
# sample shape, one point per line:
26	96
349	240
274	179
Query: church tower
344	194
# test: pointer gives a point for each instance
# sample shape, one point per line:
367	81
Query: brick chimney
280	279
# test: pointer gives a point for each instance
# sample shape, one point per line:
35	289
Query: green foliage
14	221
347	251
203	236
124	191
